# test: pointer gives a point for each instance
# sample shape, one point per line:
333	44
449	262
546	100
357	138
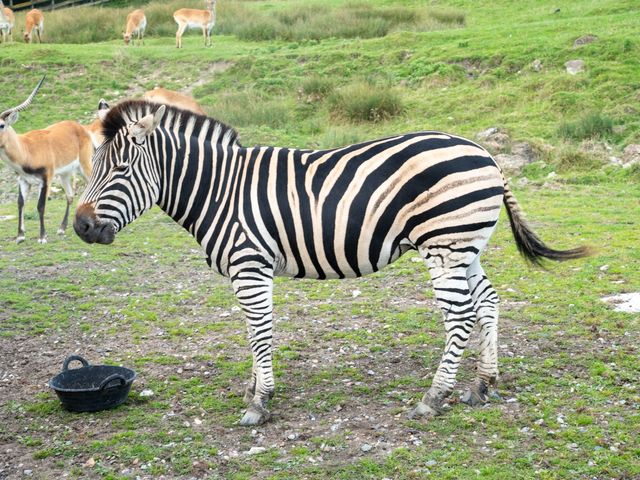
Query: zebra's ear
146	125
103	109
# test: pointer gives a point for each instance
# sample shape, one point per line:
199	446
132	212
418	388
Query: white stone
255	450
574	66
625	302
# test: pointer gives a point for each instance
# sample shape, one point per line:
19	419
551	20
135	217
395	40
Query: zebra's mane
129	111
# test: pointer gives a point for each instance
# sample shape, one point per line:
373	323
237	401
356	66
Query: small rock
584	40
604	268
356	293
255	450
511	164
90	463
197	421
536	65
485	134
631	154
524	149
430	463
147	392
574	66
552	175
366	447
292	436
28	473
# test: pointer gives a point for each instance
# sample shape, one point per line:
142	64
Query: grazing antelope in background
136	24
7	21
175	99
34	21
94	129
39	155
193	18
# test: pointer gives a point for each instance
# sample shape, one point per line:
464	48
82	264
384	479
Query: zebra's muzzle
90	228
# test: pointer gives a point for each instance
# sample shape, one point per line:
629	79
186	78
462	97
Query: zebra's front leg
454	299
253	288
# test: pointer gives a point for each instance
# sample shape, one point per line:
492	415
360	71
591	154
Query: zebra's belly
309	266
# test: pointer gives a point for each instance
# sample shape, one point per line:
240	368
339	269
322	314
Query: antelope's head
125	181
126	37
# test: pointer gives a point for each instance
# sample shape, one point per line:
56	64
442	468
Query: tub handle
71	358
111	378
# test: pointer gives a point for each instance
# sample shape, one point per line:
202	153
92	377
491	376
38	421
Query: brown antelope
94	129
7	21
39	155
193	18
34	21
174	99
136	24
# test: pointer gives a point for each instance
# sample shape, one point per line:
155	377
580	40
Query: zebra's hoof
423	410
60	231
42	240
476	394
255	415
20	238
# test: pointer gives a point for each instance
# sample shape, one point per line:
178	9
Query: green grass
285	76
592	125
365	102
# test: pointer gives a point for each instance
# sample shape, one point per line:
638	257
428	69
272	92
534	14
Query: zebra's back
350	211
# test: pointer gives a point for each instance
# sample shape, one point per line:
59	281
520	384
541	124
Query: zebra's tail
531	247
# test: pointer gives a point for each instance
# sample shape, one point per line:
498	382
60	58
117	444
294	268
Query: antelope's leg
23	193
179	34
68	190
42	201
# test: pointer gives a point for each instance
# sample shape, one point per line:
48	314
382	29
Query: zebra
264	211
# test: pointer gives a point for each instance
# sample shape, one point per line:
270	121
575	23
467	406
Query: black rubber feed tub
91	387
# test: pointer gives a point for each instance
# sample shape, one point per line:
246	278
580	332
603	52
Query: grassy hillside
463	77
348	365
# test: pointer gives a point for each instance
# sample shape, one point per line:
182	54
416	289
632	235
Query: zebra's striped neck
200	166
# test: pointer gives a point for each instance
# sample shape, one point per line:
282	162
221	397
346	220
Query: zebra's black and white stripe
346	212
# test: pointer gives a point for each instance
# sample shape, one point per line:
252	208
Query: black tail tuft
532	248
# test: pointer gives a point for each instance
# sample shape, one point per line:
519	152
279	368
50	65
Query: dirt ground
372	425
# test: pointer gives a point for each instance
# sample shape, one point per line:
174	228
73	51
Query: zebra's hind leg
454	299
253	286
485	300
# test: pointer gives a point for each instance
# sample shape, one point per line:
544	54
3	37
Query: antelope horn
26	103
